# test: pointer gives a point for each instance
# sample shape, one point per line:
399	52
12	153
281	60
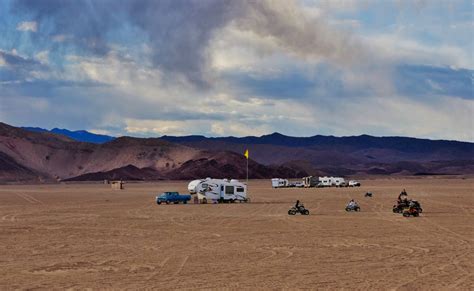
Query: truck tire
167	202
185	202
158	202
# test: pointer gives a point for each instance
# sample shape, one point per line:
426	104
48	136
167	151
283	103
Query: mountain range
77	135
35	155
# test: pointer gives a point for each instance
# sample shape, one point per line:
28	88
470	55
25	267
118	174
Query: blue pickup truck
172	197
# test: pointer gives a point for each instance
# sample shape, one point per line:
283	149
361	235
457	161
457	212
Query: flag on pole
246	154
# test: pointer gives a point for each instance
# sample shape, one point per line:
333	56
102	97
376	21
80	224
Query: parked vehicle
310	181
279	183
353	183
331	182
368	194
299	184
220	190
172	197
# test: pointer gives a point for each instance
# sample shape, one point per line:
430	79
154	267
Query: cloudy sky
226	67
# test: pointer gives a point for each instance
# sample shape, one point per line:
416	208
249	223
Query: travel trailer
197	186
338	182
331	181
325	182
279	183
219	190
310	181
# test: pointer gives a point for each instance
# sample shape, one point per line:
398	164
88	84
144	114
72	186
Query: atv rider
297	205
403	197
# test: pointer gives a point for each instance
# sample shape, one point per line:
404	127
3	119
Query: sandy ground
86	235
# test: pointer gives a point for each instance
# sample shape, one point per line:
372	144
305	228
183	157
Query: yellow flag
246	154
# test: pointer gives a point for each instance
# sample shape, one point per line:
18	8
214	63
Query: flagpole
247	172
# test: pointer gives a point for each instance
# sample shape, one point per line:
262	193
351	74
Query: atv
411	211
400	206
417	205
300	209
355	207
368	194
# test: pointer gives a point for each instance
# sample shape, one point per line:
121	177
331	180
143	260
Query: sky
240	68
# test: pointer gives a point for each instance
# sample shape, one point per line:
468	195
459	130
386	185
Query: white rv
197	186
279	183
219	190
331	181
325	182
338	182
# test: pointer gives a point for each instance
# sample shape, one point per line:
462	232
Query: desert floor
90	236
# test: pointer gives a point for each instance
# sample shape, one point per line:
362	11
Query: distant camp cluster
318	182
209	190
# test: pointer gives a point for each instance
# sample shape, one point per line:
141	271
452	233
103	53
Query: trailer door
229	192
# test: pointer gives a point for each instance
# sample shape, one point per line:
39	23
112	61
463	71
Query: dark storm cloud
179	31
16	68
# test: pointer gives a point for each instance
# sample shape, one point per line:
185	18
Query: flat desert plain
90	236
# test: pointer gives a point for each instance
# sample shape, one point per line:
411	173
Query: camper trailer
331	181
325	182
218	190
338	182
279	183
310	181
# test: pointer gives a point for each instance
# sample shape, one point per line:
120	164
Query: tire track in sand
9	218
30	199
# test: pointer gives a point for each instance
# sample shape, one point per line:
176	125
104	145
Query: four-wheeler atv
293	210
411	211
368	194
355	207
417	205
398	208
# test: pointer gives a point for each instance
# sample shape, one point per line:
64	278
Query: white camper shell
279	183
219	190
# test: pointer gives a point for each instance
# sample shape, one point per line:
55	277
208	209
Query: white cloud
396	48
27	26
43	57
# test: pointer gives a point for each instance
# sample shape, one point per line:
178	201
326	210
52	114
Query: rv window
229	190
204	186
240	189
222	188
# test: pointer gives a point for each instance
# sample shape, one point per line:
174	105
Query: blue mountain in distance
77	135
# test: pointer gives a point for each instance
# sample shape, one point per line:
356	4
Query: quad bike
300	209
417	205
400	206
368	194
355	207
411	211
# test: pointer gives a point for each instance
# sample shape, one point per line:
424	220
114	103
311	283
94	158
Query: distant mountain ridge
39	155
361	141
44	156
77	135
346	155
